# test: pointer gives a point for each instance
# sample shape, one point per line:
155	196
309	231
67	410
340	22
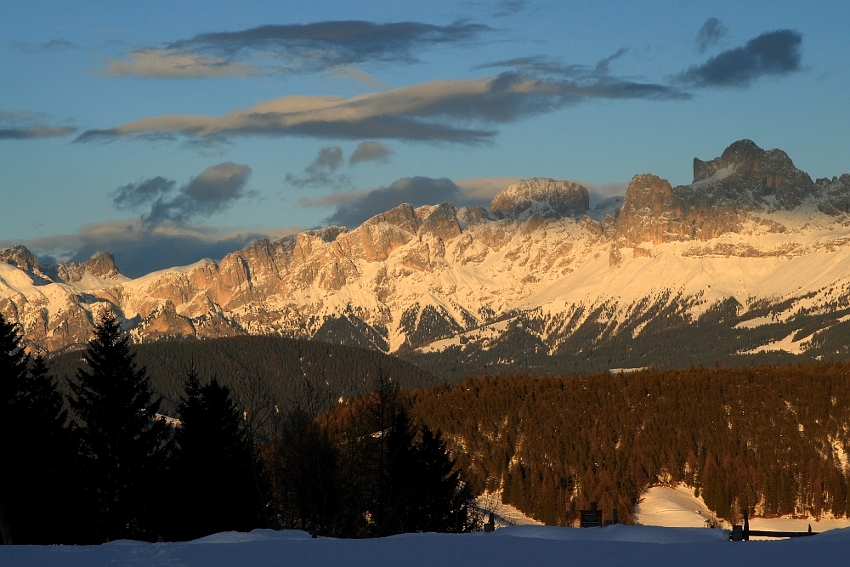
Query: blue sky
164	132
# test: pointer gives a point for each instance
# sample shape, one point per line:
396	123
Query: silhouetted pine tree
37	472
442	498
13	371
396	495
50	462
418	488
304	465
123	444
214	465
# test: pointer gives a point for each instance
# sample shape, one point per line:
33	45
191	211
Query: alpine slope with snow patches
633	546
753	250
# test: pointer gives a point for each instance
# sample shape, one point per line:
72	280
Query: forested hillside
256	366
772	439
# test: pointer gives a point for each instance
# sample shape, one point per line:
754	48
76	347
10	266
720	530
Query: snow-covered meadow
672	534
635	546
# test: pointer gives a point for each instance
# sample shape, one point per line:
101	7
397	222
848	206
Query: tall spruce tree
48	462
417	487
304	474
214	469
123	444
38	452
442	499
13	371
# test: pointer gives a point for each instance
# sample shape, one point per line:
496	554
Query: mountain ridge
751	228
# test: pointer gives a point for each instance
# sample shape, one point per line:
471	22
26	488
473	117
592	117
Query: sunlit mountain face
749	260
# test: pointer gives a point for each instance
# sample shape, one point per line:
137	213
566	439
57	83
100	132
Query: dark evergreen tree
215	464
49	463
123	444
38	471
442	498
305	464
417	487
13	371
396	491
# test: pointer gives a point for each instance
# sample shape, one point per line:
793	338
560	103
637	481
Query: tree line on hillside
663	336
769	439
103	464
278	363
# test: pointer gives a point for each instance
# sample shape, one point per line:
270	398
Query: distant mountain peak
759	173
551	198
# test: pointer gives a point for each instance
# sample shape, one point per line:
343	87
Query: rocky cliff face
536	265
743	184
747	175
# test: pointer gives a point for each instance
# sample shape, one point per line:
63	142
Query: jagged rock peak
761	173
21	257
100	264
743	155
542	196
645	210
328	233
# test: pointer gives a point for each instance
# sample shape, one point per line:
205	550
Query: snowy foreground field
633	546
651	544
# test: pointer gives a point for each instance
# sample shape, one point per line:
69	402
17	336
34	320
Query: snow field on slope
677	507
505	514
674	507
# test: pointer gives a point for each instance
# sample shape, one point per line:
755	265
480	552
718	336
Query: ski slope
676	506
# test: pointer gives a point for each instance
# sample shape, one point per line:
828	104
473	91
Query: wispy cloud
710	34
603	67
507	8
175	64
214	190
22	125
320	173
463	111
52	45
580	82
335	47
774	53
358	76
370	151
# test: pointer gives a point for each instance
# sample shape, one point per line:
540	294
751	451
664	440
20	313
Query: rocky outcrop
549	198
835	195
746	175
100	264
20	257
727	191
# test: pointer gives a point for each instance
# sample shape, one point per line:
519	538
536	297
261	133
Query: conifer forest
178	440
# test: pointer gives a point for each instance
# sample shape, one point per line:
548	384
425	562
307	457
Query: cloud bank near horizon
140	249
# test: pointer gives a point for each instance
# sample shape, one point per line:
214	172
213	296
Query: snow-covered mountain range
753	245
